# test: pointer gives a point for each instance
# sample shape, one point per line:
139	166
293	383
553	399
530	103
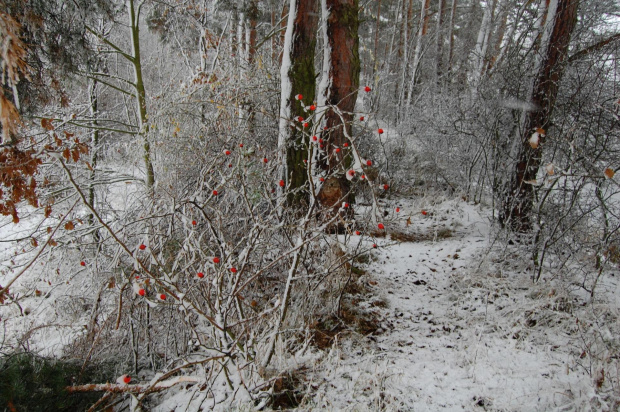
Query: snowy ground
456	334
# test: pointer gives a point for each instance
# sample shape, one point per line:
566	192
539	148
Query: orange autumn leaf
609	173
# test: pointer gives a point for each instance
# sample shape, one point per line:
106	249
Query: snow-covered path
454	335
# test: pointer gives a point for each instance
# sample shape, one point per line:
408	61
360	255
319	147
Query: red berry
312	107
300	119
306	124
162	296
127	379
200	275
337	150
321	146
233	270
357	232
363	177
137	276
229	164
314	138
142	292
215	193
281	183
265	160
320	140
216	260
193	223
380	226
305	161
82	263
227	152
380	131
346	145
368	162
361	118
367	89
321	179
142	246
424	212
397	209
345	205
386	187
324	127
240	144
374	245
299	97
351	172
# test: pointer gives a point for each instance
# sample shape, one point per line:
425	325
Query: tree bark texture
342	87
302	77
518	206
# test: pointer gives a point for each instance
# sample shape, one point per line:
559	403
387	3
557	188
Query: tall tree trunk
451	37
134	20
338	91
418	50
478	58
439	40
561	18
298	78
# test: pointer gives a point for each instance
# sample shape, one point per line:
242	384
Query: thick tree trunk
561	18
298	78
451	38
338	90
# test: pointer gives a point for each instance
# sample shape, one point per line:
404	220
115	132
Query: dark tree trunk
517	207
303	81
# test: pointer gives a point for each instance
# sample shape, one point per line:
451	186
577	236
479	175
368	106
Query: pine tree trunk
298	78
560	20
339	89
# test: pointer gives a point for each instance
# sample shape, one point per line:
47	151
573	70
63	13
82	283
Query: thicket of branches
164	217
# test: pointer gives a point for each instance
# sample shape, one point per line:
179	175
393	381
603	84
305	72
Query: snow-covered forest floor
440	317
463	328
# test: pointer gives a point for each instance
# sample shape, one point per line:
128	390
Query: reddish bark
518	207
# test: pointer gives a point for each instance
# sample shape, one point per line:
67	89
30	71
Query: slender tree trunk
418	51
439	40
451	38
298	78
478	58
561	18
134	19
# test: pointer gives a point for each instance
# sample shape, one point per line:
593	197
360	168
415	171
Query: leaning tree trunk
337	94
560	22
298	77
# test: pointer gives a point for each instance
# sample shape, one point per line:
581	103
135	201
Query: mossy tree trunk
298	78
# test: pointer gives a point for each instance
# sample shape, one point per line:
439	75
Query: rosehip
82	263
200	275
314	138
233	270
380	131
240	144
300	119
337	150
424	212
142	292
299	97
216	260
367	89
312	107
368	162
127	379
306	124
346	145
281	183
265	160
357	232
215	193
386	187
397	209
142	246
361	118
193	223
374	245
162	296
321	179
227	152
380	226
